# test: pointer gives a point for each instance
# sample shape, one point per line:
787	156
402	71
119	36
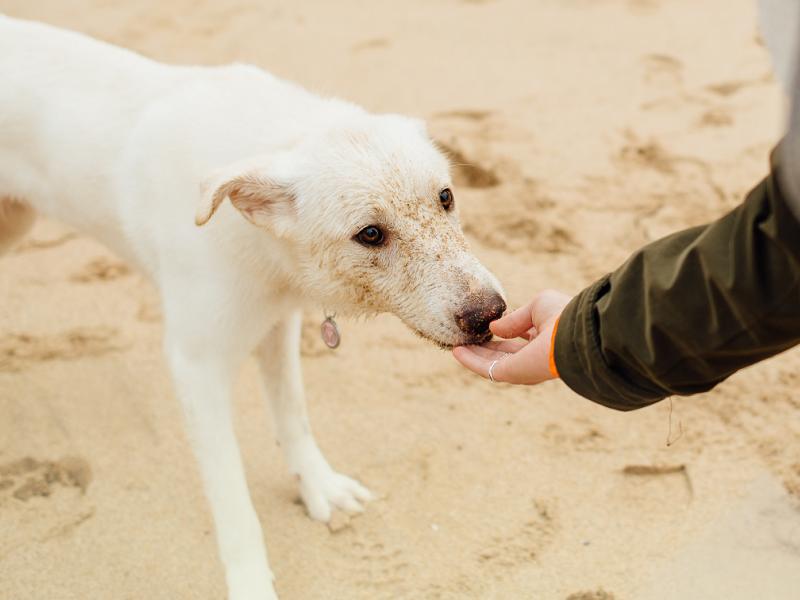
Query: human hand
522	361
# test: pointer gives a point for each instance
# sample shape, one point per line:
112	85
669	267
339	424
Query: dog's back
67	103
82	124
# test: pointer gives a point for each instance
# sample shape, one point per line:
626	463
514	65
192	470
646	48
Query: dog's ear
259	196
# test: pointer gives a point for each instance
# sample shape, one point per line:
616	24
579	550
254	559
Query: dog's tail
16	219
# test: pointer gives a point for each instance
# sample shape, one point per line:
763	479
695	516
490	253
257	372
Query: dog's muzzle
475	317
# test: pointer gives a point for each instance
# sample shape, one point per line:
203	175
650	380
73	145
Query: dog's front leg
321	488
203	383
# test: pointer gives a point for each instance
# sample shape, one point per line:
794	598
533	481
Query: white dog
329	206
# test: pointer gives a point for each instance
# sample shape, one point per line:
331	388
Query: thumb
514	324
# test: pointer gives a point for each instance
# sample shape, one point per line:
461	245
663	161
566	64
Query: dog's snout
474	318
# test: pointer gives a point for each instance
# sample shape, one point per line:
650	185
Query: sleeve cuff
579	359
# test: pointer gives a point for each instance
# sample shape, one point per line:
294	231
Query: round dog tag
330	333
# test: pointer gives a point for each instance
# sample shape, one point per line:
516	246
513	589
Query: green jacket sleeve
687	311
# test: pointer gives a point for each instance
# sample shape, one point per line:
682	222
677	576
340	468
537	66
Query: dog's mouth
468	341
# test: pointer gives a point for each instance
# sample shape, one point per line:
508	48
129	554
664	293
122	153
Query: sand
591	127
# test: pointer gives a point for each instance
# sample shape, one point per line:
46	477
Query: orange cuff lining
552	361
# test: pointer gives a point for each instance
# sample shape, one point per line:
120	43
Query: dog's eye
446	198
370	236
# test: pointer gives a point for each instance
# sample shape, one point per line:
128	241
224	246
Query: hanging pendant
330	333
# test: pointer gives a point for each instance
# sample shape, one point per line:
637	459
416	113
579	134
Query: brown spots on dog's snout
480	310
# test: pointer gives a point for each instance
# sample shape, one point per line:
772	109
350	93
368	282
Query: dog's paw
324	490
250	581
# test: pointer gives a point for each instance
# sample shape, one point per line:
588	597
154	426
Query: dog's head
371	215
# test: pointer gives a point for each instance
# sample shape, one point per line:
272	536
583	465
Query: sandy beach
583	129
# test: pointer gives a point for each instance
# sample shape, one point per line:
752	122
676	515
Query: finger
488	353
514	324
505	346
528	366
472	361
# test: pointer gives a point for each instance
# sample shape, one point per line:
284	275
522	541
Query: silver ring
491	368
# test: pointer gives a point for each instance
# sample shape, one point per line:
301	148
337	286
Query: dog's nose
474	318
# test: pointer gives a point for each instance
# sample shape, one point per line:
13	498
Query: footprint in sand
20	350
371	44
468	172
27	477
652	155
598	594
648	154
523	234
527	222
730	88
465	113
716	117
375	566
533	226
384	566
525	544
663	70
32	245
643	6
683	189
36	503
101	269
792	481
576	435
